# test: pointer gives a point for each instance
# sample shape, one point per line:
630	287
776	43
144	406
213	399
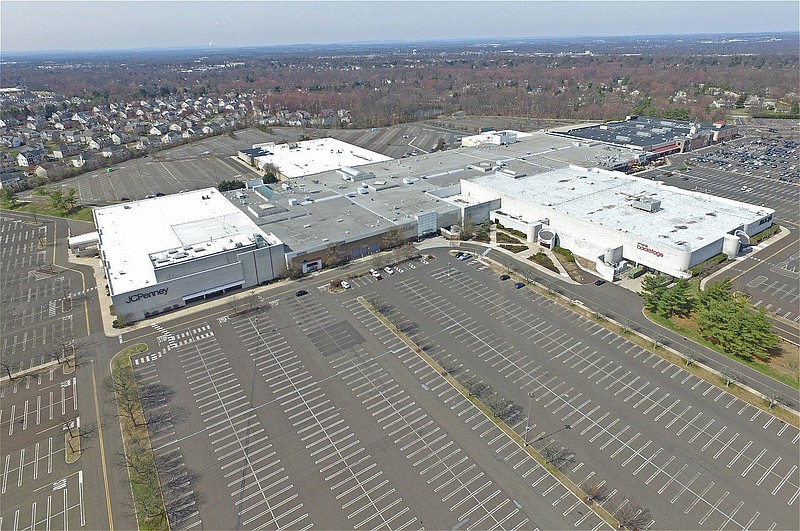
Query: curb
701	365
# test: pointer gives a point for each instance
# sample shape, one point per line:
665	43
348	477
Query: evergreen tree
8	198
653	288
677	300
57	200
70	200
715	293
738	328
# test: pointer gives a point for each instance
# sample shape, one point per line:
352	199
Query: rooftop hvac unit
646	204
623	138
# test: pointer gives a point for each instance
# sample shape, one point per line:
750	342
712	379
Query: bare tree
730	376
555	454
83	433
7	367
72	354
775	397
632	516
377	261
123	387
595	491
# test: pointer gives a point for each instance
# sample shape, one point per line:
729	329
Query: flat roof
140	236
642	131
687	220
338	212
310	157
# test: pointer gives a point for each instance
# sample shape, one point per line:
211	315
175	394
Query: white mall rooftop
138	237
309	157
686	220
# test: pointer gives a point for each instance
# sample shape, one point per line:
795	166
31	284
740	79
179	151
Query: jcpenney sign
146	295
645	248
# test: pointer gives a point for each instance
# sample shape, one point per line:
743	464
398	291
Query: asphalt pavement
623	305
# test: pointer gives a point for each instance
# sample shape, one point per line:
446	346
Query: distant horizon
488	39
165	25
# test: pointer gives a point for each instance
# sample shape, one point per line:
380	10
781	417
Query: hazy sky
38	25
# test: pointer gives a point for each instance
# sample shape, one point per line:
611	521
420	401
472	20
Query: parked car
345	284
599	282
504	277
519	285
377	275
389	270
300	293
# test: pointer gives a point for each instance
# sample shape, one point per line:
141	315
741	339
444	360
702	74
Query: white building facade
615	220
163	253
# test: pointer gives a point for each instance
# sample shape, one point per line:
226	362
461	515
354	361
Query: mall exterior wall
590	240
181	283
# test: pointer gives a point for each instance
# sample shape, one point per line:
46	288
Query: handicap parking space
574	379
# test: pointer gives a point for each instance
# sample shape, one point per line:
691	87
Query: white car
376	274
345	284
389	270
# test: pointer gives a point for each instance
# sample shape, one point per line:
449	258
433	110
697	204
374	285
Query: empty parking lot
312	413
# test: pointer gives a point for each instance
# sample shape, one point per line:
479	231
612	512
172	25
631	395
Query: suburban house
31	157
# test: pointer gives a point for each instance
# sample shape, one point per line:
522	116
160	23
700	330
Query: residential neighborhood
54	136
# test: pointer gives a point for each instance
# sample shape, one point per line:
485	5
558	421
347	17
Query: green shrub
515	232
515	248
502	237
544	260
565	253
704	267
764	234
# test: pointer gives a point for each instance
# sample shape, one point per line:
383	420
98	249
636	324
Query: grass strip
646	343
78	213
530	450
142	472
763	368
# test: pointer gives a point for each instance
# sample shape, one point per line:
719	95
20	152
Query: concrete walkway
281	287
753	250
532	250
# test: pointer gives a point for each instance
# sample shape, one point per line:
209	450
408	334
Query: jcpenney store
163	253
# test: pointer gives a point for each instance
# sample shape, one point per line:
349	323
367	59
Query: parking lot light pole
528	418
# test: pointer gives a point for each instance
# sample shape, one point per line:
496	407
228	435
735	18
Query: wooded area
606	79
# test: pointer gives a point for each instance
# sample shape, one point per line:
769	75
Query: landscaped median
553	471
138	458
771	404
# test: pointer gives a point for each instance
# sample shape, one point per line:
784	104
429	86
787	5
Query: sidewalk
358	266
522	257
753	250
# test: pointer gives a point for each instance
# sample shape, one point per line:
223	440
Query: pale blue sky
37	25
